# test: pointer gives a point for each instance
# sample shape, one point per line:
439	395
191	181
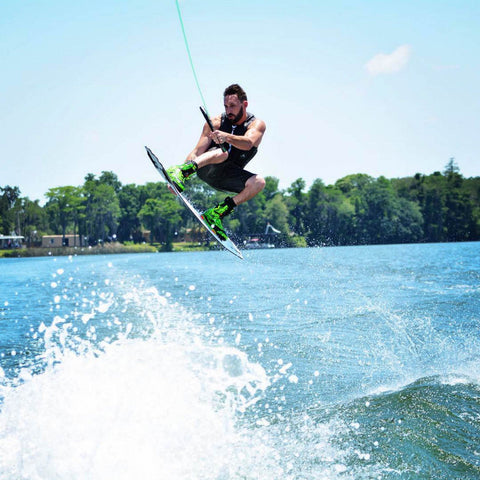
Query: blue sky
379	87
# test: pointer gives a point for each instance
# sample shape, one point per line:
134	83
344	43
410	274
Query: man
220	156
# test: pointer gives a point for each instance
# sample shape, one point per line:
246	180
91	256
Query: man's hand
252	138
218	136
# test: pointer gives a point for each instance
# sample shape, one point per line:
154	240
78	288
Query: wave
429	428
124	382
147	394
140	409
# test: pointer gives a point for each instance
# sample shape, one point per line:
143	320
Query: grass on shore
65	251
109	248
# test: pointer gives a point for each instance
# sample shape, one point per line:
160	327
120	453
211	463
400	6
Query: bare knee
215	155
253	185
256	182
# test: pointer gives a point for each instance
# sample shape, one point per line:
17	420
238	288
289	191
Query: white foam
163	406
162	396
140	409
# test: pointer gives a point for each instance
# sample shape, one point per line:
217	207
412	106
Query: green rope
190	56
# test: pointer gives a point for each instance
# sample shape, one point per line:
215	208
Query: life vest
235	155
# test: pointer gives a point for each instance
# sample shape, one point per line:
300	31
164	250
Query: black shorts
225	176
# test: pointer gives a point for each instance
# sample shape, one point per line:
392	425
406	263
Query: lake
321	363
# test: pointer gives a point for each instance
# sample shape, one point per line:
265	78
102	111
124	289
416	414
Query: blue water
326	363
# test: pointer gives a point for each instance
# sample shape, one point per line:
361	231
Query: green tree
316	214
8	198
271	187
130	198
329	216
161	218
151	215
276	213
339	223
375	213
33	220
408	224
101	209
105	210
354	184
458	210
110	178
296	205
471	187
64	206
433	206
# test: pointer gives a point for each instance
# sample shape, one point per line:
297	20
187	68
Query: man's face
234	108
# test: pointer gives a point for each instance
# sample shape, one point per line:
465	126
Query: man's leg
253	186
213	216
179	173
215	155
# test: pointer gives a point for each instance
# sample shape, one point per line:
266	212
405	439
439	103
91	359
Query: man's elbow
247	144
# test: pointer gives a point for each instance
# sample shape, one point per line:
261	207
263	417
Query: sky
379	87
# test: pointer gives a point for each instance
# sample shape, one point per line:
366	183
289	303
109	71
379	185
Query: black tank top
235	155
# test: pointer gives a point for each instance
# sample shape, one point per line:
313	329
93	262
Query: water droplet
293	379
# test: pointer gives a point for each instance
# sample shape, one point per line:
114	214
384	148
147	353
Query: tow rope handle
210	124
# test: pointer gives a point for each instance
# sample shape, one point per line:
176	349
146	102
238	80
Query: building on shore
52	241
11	241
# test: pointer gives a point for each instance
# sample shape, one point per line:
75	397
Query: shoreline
108	249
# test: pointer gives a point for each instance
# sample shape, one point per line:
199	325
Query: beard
234	119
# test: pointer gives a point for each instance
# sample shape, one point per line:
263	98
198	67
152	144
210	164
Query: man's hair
237	90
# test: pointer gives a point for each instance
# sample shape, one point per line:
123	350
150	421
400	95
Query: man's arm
204	141
252	138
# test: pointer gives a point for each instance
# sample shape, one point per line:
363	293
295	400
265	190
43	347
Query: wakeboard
227	244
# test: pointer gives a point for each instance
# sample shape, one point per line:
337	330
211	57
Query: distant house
53	241
11	241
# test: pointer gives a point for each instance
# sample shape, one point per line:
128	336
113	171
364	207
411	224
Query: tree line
357	210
